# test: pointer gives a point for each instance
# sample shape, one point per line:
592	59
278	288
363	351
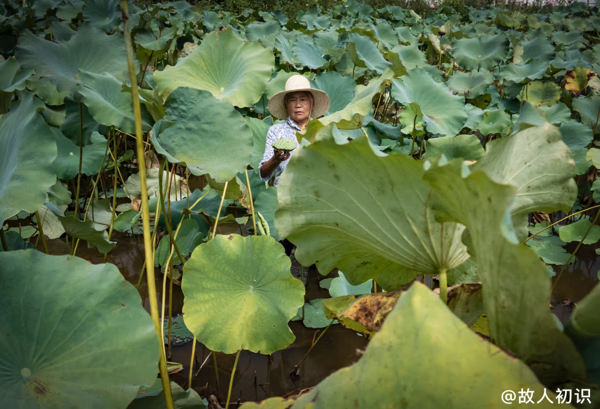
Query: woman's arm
271	158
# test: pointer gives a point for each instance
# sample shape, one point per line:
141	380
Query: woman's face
298	106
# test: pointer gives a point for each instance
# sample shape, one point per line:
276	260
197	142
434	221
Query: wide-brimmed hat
294	84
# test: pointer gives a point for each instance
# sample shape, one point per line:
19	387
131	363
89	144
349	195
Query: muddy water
259	376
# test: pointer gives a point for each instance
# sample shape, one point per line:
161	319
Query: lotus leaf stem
251	202
313	345
216	368
153	245
596	123
413	135
444	285
378	102
220	207
574	252
41	233
167	217
114	202
79	171
164	374
561	220
192	362
374	286
237	357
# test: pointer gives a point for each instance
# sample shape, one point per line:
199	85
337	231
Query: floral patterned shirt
287	130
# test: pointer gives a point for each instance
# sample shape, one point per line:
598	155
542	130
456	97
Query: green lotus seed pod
284	144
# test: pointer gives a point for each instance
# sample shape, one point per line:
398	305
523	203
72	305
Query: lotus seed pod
284	144
262	225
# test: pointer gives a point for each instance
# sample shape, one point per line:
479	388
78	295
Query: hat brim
320	108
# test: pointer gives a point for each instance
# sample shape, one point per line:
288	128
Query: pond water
260	376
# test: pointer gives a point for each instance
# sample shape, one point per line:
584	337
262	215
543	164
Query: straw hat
294	84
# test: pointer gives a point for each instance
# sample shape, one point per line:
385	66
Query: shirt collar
293	123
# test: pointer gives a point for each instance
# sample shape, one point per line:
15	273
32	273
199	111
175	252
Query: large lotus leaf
326	39
315	22
516	286
542	185
284	43
576	135
538	49
467	147
102	14
470	84
541	93
362	101
74	334
66	164
589	108
155	40
419	318
240	294
365	53
585	316
231	69
199	138
410	56
340	205
534	70
28	151
443	112
340	89
566	37
266	203
385	33
340	287
107	104
308	54
90	50
265	33
540	116
11	77
480	52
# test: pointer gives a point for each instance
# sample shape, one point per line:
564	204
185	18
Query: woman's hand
281	156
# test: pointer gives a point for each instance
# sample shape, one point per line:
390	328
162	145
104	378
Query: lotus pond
444	211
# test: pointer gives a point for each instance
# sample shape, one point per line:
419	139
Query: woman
297	104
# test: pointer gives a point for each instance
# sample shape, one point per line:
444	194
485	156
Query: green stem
353	68
164	375
237	357
444	285
251	202
41	229
216	370
80	162
114	202
192	362
164	209
220	207
413	135
314	343
153	244
576	249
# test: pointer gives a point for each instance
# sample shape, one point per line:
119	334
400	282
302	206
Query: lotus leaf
266	203
284	43
87	50
334	224
375	380
228	67
364	53
410	56
314	316
46	91
308	54
28	151
66	164
76	115
181	399
541	93
443	113
534	70
538	49
199	138
523	326
340	89
240	294
482	52
11	77
471	84
576	231
589	108
467	147
265	33
495	121
340	287
85	231
188	238
577	80
102	14
53	354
